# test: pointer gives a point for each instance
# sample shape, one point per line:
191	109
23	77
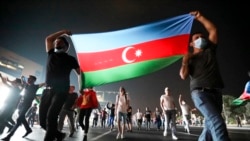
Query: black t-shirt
112	110
148	115
204	70
59	66
70	101
129	114
29	94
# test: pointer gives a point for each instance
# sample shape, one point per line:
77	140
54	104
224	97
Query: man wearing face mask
205	80
59	66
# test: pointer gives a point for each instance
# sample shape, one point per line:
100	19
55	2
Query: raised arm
41	85
49	41
107	105
209	26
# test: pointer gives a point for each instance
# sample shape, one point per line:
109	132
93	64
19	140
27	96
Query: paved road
103	134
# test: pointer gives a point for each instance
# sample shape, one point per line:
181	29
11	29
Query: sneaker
118	136
60	136
174	137
122	136
85	138
6	138
71	134
27	133
165	133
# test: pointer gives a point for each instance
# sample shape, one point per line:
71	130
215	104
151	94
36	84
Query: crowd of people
59	98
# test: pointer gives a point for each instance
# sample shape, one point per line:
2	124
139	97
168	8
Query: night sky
25	24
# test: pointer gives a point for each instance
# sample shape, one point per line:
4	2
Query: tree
227	100
230	111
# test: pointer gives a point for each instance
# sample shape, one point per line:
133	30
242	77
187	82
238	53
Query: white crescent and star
124	54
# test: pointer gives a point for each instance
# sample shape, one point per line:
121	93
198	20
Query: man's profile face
60	43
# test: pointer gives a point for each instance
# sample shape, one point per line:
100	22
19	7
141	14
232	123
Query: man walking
206	83
30	90
58	69
68	110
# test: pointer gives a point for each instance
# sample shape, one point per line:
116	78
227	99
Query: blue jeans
122	117
209	103
111	121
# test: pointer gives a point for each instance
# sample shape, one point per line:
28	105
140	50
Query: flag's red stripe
245	96
150	50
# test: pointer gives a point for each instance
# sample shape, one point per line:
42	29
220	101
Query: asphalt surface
104	134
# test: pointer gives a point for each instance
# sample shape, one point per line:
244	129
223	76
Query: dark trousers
6	117
49	109
84	115
31	119
103	122
21	120
158	123
95	120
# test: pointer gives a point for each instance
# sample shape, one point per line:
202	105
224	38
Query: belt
205	89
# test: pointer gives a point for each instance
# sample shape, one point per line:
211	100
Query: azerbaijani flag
244	98
129	53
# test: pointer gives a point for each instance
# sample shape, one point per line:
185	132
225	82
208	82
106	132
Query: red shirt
87	100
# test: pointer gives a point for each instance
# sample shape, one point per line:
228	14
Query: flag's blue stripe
96	42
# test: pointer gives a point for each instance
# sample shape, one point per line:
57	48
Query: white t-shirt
168	102
122	105
185	109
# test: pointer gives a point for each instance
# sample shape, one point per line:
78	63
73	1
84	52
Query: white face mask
59	49
200	43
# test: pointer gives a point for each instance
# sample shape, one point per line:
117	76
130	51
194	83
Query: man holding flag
205	80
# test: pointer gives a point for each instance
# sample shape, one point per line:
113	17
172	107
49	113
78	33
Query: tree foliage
230	111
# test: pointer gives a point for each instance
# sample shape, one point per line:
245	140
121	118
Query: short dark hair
33	77
64	40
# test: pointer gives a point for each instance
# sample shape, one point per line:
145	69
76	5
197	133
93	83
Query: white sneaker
122	136
165	133
174	137
118	136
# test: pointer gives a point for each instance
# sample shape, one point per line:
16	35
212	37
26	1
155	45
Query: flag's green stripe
239	102
97	78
